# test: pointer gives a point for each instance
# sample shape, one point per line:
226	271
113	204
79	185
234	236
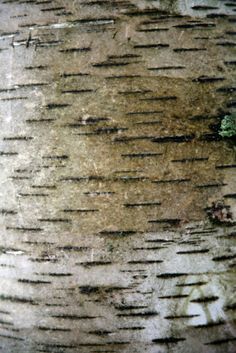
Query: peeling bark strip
110	159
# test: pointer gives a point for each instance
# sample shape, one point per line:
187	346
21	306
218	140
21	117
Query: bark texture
110	159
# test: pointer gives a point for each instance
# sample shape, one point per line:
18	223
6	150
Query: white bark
109	159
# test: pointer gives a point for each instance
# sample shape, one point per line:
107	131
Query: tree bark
110	162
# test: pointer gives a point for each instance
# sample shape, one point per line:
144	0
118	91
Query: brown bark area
109	157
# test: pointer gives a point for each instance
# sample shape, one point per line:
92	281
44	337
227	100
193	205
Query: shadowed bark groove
110	161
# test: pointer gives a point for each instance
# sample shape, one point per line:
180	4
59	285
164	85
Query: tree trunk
110	162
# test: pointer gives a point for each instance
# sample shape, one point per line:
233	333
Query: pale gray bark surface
109	157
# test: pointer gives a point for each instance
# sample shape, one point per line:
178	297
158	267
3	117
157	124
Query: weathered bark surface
109	158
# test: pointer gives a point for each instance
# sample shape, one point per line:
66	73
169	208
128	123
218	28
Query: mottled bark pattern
109	157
